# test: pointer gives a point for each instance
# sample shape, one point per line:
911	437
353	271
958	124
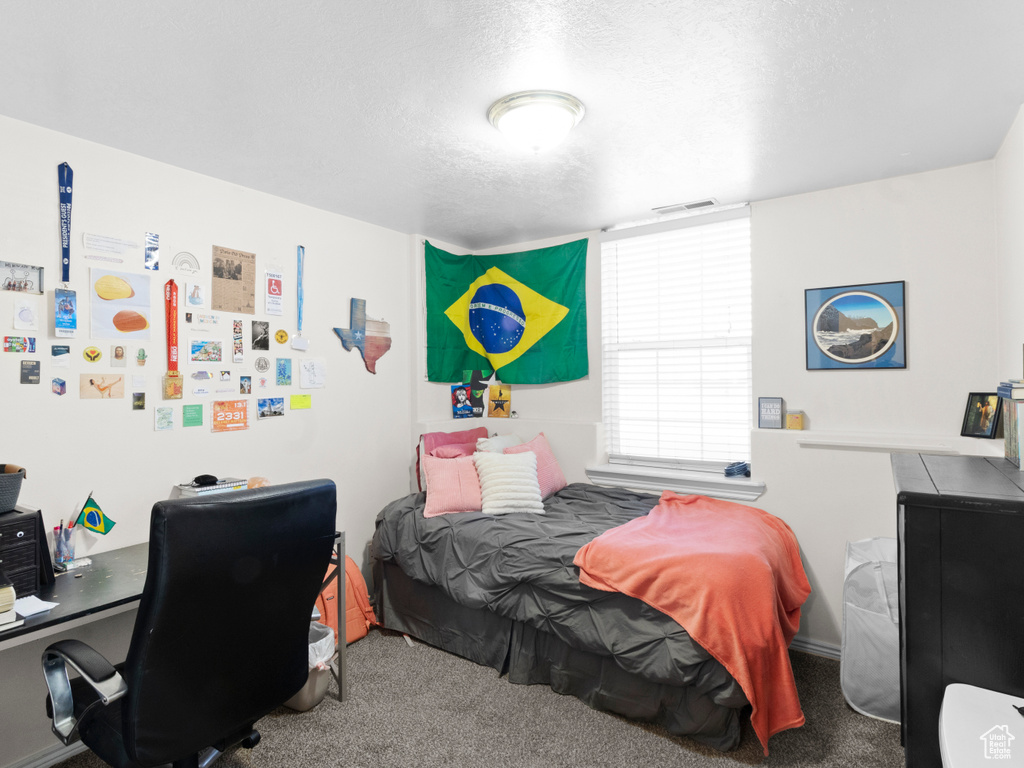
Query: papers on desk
31	605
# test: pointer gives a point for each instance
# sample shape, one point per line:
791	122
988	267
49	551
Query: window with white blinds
676	330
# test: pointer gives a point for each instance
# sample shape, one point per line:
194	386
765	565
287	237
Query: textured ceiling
377	110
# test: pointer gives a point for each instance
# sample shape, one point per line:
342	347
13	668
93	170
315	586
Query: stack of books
222	485
1012	394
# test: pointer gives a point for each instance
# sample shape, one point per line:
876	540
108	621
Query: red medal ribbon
171	308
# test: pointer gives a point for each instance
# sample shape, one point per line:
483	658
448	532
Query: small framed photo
769	413
982	416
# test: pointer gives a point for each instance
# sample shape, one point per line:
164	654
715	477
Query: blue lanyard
64	179
301	254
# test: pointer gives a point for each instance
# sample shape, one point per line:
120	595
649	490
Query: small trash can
869	668
321	652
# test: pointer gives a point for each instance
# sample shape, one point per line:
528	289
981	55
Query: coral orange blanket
730	575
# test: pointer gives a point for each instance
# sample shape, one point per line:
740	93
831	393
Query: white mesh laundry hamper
869	669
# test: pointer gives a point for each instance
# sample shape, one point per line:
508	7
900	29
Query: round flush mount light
536	120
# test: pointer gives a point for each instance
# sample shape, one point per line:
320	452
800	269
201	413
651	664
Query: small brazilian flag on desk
92	518
523	315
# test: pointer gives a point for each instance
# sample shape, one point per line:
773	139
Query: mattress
503	590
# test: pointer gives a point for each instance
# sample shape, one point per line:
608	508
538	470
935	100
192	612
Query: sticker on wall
262	364
58	386
268	407
281	336
301	402
138	401
93	386
118	356
141	356
195	296
92	354
245	385
19	344
201	391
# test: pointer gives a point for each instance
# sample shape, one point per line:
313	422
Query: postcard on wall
93	386
260	335
284	371
163	418
204	350
60	355
138	401
119	305
29	371
270	406
234	281
500	401
462	408
192	415
312	373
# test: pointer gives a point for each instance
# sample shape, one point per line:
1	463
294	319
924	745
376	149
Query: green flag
92	518
522	314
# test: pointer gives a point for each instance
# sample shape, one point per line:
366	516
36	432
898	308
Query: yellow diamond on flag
501	318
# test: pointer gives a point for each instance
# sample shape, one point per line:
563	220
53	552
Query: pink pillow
452	486
432	440
549	474
454	450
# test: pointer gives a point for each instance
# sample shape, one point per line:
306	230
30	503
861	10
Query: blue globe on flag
496	318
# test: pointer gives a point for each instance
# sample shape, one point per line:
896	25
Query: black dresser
21	531
961	585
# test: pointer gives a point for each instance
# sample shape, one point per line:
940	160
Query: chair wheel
251	740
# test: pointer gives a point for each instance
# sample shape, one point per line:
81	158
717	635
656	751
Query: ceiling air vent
693	206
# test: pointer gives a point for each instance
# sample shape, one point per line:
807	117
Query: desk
99	609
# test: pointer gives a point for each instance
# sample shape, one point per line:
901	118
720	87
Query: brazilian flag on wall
522	314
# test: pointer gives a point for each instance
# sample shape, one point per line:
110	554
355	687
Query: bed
503	590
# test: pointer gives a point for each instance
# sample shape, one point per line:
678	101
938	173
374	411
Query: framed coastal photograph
856	326
981	419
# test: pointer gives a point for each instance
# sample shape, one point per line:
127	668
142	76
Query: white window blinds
676	334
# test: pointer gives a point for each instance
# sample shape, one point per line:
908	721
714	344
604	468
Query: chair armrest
93	668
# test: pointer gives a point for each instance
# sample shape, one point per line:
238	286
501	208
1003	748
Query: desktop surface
112	579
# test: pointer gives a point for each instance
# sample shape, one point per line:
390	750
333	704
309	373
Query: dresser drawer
19	551
16	529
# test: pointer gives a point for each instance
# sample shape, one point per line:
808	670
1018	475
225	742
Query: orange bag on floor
358	613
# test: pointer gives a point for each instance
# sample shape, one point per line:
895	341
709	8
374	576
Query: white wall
1009	183
357	431
935	231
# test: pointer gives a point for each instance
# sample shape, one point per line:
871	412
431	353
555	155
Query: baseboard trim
58	753
816	647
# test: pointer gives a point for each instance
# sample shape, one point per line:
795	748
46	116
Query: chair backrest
221	635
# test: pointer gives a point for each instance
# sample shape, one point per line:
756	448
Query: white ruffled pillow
498	443
508	482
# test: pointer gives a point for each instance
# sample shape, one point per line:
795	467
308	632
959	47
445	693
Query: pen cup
63	545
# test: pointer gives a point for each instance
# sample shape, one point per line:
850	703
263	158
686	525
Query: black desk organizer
23	553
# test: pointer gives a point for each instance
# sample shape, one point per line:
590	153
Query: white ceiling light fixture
536	120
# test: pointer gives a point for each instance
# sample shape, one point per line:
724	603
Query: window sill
651	479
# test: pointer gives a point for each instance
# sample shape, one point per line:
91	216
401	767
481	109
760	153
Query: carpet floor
420	706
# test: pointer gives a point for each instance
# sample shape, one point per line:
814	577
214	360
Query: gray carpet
418	706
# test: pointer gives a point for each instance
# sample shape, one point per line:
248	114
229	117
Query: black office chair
221	637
